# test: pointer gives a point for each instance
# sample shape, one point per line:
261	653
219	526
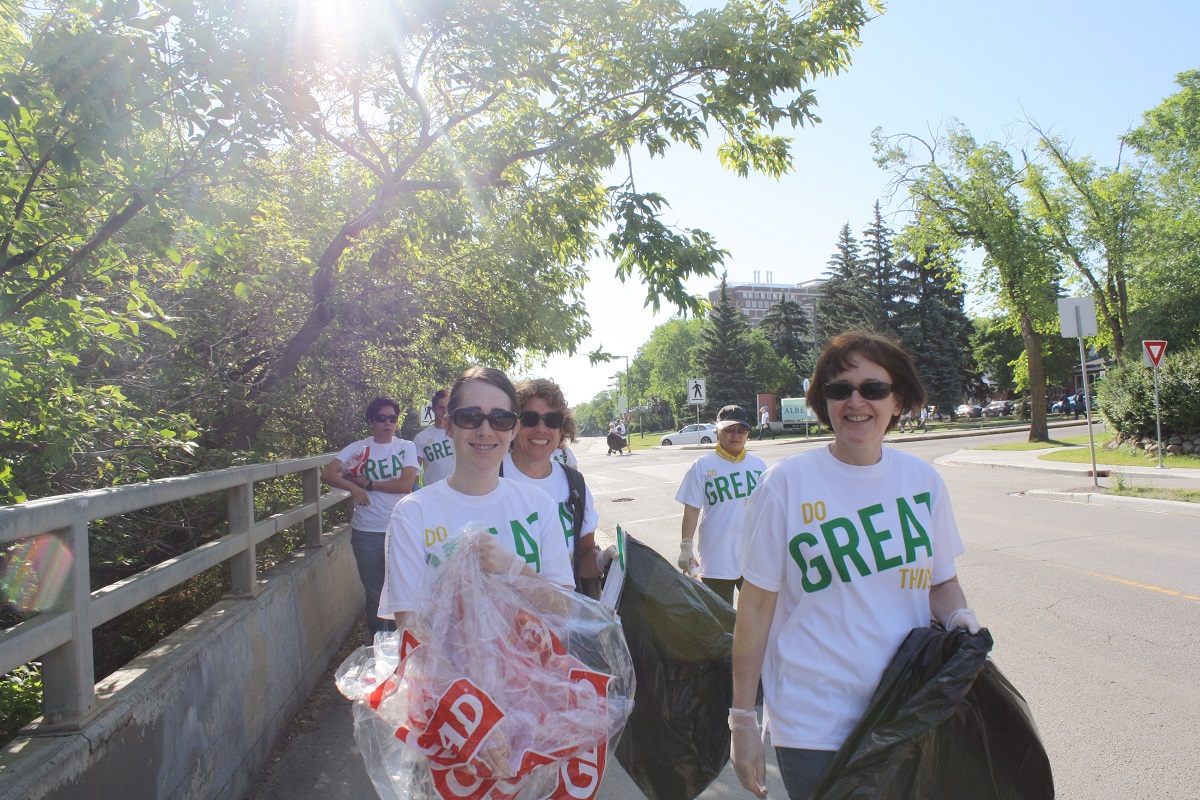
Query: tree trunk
1038	432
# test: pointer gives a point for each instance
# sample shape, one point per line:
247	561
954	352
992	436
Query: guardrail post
311	482
240	500
68	674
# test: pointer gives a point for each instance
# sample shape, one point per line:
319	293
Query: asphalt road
1095	612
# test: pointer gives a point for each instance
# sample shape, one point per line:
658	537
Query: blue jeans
801	769
368	555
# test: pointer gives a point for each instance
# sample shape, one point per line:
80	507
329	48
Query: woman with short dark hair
846	549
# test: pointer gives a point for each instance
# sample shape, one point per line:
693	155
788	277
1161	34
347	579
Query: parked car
702	433
969	411
998	408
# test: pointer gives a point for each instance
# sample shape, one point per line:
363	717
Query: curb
1085	472
1135	503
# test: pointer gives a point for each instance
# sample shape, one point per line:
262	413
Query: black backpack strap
577	504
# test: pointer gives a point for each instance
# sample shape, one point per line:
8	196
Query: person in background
566	456
845	550
714	493
434	448
482	422
377	471
547	423
764	423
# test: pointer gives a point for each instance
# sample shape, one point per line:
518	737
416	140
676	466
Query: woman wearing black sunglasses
377	471
523	519
546	425
845	550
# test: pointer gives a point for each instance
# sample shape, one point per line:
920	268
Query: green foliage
786	327
845	301
1125	396
20	699
725	351
666	362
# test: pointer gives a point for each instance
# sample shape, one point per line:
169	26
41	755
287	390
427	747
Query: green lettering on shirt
877	538
818	563
736	479
524	543
839	552
722	485
709	494
908	522
567	521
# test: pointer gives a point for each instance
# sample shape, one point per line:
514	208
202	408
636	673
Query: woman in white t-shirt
845	550
377	472
527	536
546	425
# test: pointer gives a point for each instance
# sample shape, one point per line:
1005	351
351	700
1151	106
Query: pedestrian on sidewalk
377	471
714	493
764	423
878	518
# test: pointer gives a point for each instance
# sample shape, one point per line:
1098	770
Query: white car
703	433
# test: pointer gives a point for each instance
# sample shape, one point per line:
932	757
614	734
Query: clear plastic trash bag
502	686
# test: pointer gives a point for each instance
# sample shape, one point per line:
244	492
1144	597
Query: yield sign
1153	351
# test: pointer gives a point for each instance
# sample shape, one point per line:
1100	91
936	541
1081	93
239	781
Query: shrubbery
1125	396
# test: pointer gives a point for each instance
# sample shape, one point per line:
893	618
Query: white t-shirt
720	488
437	451
523	518
564	455
384	462
621	429
555	485
764	418
852	552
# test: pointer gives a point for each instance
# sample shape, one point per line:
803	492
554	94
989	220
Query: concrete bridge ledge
197	716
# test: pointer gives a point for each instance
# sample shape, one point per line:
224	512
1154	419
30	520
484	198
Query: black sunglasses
385	418
867	390
472	418
553	419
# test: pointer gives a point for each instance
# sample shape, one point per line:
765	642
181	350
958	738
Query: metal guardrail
61	636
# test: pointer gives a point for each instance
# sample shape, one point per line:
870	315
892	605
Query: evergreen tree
844	302
724	355
885	283
935	329
787	328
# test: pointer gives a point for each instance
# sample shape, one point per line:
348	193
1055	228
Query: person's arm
687	550
332	476
756	609
401	484
948	604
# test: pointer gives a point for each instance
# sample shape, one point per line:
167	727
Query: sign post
695	394
1152	353
1076	319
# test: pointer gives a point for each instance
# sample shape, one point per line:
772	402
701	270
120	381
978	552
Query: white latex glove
605	557
494	558
686	555
746	751
964	618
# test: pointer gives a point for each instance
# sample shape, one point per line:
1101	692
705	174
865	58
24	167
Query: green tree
1092	216
787	328
1166	298
845	302
885	282
724	353
666	361
546	97
966	194
934	327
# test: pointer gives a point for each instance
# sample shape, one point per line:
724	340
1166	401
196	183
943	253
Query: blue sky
1086	71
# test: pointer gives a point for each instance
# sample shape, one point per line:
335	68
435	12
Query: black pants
723	587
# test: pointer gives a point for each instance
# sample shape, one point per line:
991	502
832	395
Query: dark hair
378	403
552	393
440	394
488	375
843	353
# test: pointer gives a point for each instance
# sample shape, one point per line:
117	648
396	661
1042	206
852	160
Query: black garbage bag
680	636
943	723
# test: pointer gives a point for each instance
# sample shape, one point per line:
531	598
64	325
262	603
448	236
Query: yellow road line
1113	578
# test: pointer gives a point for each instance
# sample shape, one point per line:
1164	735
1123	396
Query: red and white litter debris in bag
354	465
501	687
